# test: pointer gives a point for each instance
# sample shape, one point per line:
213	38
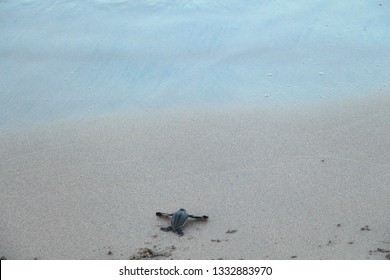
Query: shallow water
62	59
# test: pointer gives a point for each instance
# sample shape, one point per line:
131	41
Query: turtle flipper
167	228
179	231
160	214
204	217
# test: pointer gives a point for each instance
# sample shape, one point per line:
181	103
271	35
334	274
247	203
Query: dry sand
304	182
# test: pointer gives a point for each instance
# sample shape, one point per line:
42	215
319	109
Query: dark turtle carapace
178	220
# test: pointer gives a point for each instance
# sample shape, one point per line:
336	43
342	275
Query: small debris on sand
231	231
351	242
109	253
380	250
338	225
146	253
219	240
365	228
293	257
383	250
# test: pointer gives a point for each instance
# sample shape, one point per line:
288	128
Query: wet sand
292	182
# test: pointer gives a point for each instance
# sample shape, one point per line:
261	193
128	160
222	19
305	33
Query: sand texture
309	182
270	117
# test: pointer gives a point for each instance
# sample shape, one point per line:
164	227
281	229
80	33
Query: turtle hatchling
178	220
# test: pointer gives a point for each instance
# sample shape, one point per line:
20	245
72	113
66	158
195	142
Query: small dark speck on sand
231	231
365	228
351	242
338	225
218	240
109	253
215	240
293	257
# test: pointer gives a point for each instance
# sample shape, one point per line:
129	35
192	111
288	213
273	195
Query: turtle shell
179	218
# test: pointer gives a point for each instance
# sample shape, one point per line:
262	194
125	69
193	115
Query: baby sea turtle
178	220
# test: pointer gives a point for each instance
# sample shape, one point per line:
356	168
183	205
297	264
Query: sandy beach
272	118
309	182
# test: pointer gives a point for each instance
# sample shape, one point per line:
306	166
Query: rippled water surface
76	58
